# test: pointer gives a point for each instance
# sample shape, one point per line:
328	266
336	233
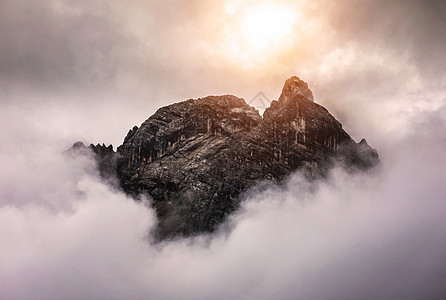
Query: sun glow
265	25
258	31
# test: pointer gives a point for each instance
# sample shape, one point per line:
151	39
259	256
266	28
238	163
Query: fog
65	234
91	70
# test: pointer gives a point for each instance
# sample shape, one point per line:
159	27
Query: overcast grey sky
91	70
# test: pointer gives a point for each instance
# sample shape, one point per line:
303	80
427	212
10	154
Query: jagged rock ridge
196	157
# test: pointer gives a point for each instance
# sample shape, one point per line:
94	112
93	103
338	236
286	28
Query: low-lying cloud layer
364	236
90	70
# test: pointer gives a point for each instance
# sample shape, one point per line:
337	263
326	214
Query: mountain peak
295	86
196	158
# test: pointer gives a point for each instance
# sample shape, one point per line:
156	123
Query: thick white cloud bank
64	234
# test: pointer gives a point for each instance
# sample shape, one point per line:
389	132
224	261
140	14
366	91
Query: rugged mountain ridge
195	158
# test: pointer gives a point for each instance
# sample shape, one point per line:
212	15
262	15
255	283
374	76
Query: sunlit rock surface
196	158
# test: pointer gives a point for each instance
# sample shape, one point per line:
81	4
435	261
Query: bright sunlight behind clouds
260	30
92	69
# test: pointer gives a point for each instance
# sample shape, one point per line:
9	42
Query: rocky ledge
195	158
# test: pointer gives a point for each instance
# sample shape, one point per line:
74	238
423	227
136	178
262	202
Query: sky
91	70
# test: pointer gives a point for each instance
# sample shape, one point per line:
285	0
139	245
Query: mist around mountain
91	70
66	233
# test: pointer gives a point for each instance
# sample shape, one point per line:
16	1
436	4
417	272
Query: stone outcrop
196	158
104	155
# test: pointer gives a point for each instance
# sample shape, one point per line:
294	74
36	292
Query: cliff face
196	157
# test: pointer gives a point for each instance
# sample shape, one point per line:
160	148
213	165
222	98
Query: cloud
91	70
378	235
370	63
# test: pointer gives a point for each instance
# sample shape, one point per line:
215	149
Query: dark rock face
106	160
104	155
196	157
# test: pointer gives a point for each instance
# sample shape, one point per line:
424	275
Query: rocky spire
293	87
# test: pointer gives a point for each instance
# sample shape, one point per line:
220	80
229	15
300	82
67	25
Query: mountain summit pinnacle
196	158
293	87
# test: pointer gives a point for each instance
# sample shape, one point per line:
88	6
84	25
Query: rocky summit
195	158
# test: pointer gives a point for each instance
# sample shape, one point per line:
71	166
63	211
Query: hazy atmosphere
91	70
